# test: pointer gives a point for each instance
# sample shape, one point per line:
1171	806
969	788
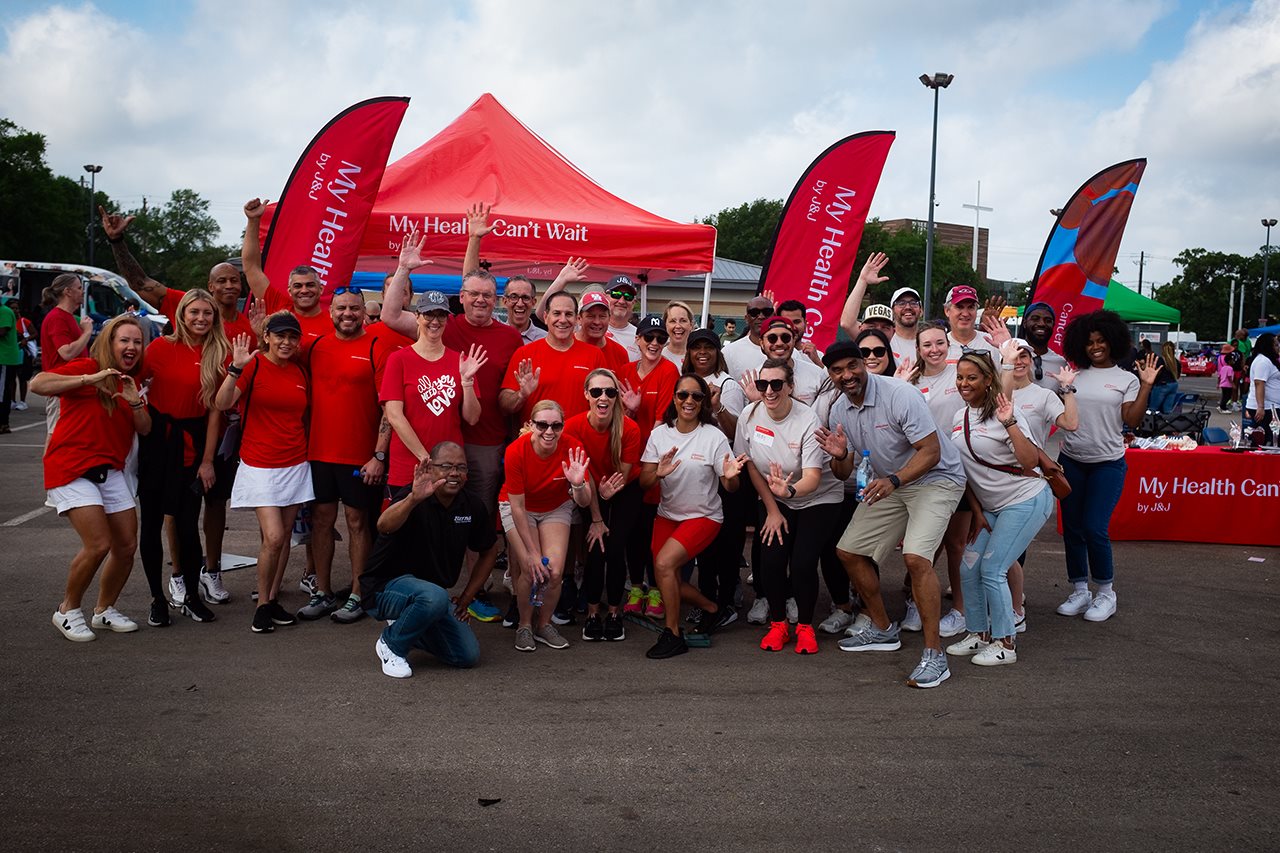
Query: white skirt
255	487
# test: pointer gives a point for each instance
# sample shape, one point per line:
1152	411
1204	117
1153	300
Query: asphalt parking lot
1152	731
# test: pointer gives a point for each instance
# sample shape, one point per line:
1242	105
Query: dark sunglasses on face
697	396
351	288
611	393
783	336
622	294
650	338
759	312
774	385
868	352
543	426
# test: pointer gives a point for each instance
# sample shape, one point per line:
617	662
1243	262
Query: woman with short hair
678	317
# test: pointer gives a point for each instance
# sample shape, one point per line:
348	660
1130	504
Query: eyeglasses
651	337
907	303
437	314
351	288
697	396
611	393
784	337
759	312
626	295
449	468
477	294
774	385
543	426
868	352
518	297
1039	366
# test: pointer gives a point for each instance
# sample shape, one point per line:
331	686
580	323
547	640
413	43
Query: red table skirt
1203	495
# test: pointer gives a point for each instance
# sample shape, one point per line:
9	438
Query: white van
105	291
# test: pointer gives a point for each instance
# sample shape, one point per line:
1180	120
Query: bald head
224	284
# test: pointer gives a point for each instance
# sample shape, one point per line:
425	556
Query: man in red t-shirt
347	447
63	338
554	368
302	295
593	328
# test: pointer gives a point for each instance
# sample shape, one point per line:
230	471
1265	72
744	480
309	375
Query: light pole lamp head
1269	223
89	167
938	81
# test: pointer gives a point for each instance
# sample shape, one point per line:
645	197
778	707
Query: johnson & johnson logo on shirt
437	394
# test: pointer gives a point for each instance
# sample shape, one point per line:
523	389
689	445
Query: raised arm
853	305
394	306
477	226
114	226
251	251
574	270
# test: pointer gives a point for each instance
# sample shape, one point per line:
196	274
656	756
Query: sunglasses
759	312
611	393
543	426
784	337
774	385
868	352
351	288
697	396
651	337
1038	363
622	294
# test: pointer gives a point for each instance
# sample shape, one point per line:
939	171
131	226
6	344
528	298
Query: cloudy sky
686	108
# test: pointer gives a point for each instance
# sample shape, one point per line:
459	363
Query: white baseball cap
897	294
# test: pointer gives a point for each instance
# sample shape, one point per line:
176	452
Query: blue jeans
1086	516
984	569
1163	398
424	620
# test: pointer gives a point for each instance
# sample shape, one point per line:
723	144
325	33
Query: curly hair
1075	340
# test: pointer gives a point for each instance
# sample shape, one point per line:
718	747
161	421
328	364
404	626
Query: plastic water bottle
1235	433
535	592
864	474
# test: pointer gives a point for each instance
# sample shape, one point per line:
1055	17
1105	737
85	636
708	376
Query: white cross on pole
977	209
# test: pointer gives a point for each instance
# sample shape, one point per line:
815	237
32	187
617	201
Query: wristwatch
791	491
1069	389
380	455
893	478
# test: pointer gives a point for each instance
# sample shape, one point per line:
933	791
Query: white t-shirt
995	489
677	360
808	376
793	444
1042	408
979	342
625	338
731	396
1263	370
1050	363
943	397
904	349
1101	391
692	490
742	355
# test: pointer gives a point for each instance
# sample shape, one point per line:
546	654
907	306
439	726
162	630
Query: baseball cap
593	299
878	312
705	336
960	293
1019	343
1040	306
841	350
650	325
431	300
775	320
283	322
901	291
622	282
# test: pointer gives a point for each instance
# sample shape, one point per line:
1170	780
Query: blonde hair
215	345
676	303
1167	355
616	419
103	352
540	406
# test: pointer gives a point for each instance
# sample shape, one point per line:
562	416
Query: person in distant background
1165	391
730	331
372	312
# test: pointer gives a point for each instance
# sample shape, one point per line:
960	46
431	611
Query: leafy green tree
906	251
175	243
744	233
1202	291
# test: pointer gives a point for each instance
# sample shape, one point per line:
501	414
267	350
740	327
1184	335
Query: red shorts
695	534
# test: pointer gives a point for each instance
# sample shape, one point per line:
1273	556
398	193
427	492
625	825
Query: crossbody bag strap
1008	469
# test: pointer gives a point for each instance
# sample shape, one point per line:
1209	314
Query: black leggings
167	487
1227	394
640	547
606	571
799	550
833	571
719	564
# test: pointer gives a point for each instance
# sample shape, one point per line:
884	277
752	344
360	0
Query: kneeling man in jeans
424	536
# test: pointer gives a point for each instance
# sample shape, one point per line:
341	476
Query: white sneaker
759	612
20	406
995	654
1103	607
1076	603
862	621
177	591
1020	621
212	589
72	626
836	622
970	645
911	622
793	611
951	624
392	664
114	620
506	582
308	584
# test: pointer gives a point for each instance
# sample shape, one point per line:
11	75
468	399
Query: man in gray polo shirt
918	481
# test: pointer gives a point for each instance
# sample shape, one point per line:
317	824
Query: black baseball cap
283	322
840	350
651	324
705	336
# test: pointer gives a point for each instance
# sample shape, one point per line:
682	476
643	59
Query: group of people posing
638	454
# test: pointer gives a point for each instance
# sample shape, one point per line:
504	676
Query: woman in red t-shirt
101	410
274	478
546	474
612	442
175	460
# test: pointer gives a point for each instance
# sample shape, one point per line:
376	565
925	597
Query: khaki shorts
916	515
562	514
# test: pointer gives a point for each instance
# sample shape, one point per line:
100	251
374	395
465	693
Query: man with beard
778	340
918	480
1037	328
793	310
745	354
905	304
622	293
303	290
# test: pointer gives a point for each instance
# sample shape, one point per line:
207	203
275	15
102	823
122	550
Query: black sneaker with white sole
279	616
613	628
512	619
593	629
159	617
262	623
196	609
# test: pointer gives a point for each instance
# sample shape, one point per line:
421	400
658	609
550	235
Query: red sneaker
777	637
806	642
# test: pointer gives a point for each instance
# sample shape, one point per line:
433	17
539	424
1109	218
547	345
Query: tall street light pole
93	182
1266	256
937	82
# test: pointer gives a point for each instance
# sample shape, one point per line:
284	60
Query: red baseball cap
776	320
960	293
592	298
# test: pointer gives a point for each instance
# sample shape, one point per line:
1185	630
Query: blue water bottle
864	474
535	592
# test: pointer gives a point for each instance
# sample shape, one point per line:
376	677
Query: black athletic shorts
335	482
224	472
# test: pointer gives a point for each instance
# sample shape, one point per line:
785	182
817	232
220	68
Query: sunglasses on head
351	288
622	294
611	393
774	385
697	396
784	337
759	312
868	352
543	426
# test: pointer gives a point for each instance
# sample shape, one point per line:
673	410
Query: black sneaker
725	616
668	646
593	629
512	618
196	609
613	630
159	617
262	623
280	616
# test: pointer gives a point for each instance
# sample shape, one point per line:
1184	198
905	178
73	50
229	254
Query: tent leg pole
644	299
706	302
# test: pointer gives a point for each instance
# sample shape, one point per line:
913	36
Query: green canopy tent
1133	307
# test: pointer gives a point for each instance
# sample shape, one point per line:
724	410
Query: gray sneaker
549	636
869	638
320	605
524	639
349	612
931	671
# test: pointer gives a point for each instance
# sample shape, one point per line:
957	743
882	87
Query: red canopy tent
545	209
